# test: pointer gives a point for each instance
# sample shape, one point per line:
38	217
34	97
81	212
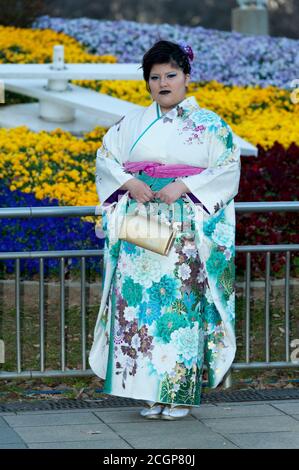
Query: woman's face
171	79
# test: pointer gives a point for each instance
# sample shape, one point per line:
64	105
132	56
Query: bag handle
171	212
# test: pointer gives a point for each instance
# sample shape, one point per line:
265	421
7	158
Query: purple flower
228	57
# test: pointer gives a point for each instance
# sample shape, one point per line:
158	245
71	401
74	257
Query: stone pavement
253	425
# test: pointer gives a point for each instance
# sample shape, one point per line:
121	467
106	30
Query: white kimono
161	318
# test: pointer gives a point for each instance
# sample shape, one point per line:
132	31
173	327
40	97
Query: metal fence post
73	211
228	380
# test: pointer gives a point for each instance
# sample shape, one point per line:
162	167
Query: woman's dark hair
165	52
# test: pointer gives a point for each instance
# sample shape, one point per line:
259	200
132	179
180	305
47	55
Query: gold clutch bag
147	232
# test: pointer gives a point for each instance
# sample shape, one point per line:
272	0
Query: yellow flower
24	45
259	115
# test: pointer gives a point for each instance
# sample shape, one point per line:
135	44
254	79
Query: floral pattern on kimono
160	317
157	326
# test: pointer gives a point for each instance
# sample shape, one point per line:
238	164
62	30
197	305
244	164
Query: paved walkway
254	425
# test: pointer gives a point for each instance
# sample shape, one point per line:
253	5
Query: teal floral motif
224	234
104	222
226	134
206	116
210	313
149	312
165	317
189	301
129	248
132	292
165	291
216	263
185	341
222	132
210	224
114	249
168	323
225	156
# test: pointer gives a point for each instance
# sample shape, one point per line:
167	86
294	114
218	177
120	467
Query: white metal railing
55	211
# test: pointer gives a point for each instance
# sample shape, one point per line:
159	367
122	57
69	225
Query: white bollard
57	64
251	17
51	111
54	112
58	57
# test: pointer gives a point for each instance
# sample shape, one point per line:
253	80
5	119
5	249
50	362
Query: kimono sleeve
219	183
110	174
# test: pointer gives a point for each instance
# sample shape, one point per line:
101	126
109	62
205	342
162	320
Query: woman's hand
139	190
171	192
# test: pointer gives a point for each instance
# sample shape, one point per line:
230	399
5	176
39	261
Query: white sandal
175	412
152	410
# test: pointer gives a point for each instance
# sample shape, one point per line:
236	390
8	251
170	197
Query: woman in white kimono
162	317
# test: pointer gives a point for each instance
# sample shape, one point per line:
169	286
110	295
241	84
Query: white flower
231	307
224	234
146	270
168	262
185	341
208	296
131	313
129	362
204	249
125	265
164	357
184	271
227	254
190	250
201	276
136	342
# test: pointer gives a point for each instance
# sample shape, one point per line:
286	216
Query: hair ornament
187	49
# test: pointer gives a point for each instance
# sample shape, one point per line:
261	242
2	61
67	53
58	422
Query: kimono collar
153	114
184	108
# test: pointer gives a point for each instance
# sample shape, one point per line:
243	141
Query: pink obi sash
161	170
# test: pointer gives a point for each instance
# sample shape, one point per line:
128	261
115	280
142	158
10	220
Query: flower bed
25	46
54	164
57	168
260	115
271	177
44	234
228	57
